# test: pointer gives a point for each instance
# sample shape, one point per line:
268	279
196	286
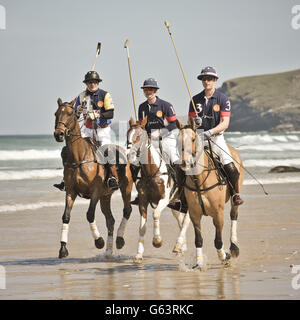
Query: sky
47	47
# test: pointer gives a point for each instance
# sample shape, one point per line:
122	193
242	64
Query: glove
208	134
79	110
93	115
198	121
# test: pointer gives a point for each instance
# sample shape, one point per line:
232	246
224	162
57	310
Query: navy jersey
211	110
159	115
99	100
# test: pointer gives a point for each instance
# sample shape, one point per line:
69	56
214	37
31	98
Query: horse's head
64	119
189	145
136	138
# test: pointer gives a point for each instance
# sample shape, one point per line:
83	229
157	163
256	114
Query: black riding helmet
92	75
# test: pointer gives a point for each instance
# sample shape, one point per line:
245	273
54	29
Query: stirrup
112	183
237	200
60	186
135	201
178	206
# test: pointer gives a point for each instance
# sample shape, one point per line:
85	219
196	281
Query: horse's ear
59	101
178	124
144	122
72	103
131	122
191	123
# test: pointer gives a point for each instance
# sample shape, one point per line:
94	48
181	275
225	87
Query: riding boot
113	180
233	176
64	156
178	201
60	186
134	172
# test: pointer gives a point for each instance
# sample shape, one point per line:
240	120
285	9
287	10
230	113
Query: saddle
222	176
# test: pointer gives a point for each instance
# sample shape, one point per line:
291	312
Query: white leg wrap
64	232
180	240
199	257
156	230
234	231
94	230
141	245
109	244
221	254
122	227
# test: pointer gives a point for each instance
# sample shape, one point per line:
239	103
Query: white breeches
169	147
103	135
225	155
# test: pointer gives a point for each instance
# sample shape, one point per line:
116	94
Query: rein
68	133
195	178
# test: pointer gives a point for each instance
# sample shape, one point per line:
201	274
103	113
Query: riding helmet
208	71
92	75
150	83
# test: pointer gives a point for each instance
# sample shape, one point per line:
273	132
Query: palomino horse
84	175
204	192
153	188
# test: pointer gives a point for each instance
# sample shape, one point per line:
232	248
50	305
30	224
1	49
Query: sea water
30	165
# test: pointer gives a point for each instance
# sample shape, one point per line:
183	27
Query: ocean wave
271	162
263	139
29	154
31	174
37	205
50	204
273	180
277	147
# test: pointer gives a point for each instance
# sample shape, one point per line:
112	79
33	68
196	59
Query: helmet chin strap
149	97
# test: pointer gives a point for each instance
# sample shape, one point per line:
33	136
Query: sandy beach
268	233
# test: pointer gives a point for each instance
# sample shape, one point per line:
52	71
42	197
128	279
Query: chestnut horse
153	188
84	175
204	192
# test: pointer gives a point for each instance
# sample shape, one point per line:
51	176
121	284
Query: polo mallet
97	55
193	103
130	75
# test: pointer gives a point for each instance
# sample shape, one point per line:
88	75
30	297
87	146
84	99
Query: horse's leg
110	223
218	221
70	198
196	219
183	220
142	232
90	215
157	240
126	189
234	249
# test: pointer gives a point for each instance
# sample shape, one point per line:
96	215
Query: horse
84	176
153	188
205	193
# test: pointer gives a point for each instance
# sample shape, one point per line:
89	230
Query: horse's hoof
99	243
120	242
178	248
157	242
198	267
226	262
138	259
63	252
234	250
108	253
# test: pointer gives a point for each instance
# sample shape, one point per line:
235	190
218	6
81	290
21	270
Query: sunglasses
208	78
92	81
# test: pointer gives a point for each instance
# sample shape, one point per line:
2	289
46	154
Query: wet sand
269	242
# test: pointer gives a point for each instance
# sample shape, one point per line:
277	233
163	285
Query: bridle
67	124
195	154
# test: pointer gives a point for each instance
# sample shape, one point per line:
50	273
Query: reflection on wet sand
146	281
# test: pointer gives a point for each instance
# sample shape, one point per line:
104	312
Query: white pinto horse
154	187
